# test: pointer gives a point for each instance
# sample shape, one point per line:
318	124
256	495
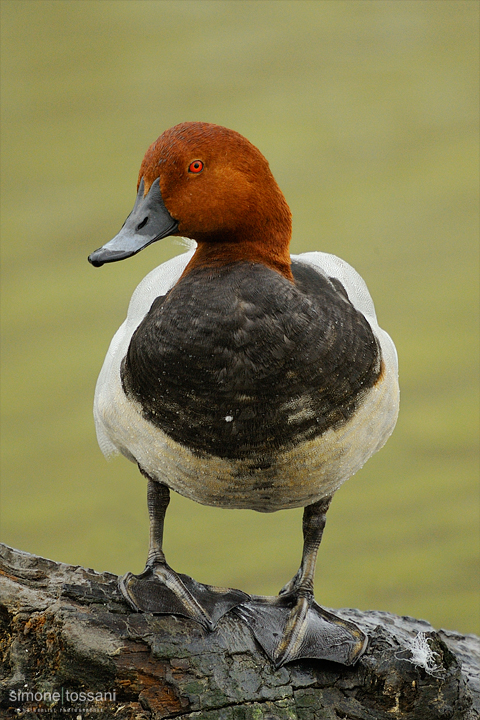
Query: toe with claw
289	629
160	590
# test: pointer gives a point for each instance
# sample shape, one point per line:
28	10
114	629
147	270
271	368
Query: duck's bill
148	222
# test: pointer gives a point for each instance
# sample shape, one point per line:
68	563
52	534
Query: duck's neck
215	254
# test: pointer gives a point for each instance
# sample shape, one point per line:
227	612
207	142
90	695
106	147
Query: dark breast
238	362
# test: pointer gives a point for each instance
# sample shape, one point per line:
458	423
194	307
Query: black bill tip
104	255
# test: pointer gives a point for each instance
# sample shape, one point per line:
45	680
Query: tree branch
70	643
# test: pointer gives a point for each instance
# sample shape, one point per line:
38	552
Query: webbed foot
159	589
293	627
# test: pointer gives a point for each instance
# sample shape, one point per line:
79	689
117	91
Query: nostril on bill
142	224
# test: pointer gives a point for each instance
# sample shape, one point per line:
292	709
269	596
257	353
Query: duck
242	377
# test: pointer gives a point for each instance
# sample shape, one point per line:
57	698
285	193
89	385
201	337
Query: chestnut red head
208	183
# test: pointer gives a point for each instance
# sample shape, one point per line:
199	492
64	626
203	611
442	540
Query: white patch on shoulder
354	284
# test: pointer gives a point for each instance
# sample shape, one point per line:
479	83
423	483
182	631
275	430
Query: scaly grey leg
158	499
159	589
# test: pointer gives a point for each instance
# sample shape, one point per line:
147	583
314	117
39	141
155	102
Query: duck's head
208	183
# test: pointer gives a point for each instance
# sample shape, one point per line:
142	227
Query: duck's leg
292	625
159	589
314	519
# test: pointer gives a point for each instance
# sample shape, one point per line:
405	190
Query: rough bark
67	630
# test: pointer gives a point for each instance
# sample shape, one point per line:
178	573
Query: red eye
196	166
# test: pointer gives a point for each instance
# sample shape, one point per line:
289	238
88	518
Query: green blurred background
368	114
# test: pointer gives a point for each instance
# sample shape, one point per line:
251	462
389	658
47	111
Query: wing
156	284
334	267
